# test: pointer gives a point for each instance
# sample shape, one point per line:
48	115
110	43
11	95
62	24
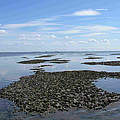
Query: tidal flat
108	63
30	102
44	56
115	54
93	58
36	61
25	57
89	54
46	92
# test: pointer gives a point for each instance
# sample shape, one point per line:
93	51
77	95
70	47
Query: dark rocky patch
25	57
109	63
115	54
36	61
89	54
44	56
93	58
59	61
37	69
46	92
45	65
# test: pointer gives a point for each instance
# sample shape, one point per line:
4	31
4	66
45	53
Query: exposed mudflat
93	58
46	92
36	61
109	63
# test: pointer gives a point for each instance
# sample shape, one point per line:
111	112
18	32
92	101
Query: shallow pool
109	84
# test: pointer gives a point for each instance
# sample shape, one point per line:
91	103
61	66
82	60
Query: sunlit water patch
109	84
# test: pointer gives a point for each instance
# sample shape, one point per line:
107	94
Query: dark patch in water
109	63
44	56
93	58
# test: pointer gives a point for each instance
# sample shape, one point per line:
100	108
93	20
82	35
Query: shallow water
109	84
11	71
111	113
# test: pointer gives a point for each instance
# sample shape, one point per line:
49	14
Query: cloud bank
88	12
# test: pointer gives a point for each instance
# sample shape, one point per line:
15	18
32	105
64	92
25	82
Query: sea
11	71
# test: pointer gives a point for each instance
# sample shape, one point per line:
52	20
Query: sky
59	25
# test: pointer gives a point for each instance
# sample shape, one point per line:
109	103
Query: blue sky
59	25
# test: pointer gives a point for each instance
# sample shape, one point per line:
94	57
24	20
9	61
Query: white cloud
99	41
39	22
22	37
38	35
94	34
49	28
88	12
53	18
105	40
2	31
30	36
92	40
67	37
116	32
102	28
53	36
73	42
102	9
83	42
95	30
70	31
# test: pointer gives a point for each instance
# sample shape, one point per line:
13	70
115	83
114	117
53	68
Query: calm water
109	84
11	71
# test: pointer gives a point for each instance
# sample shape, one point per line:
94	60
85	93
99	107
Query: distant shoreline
58	51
